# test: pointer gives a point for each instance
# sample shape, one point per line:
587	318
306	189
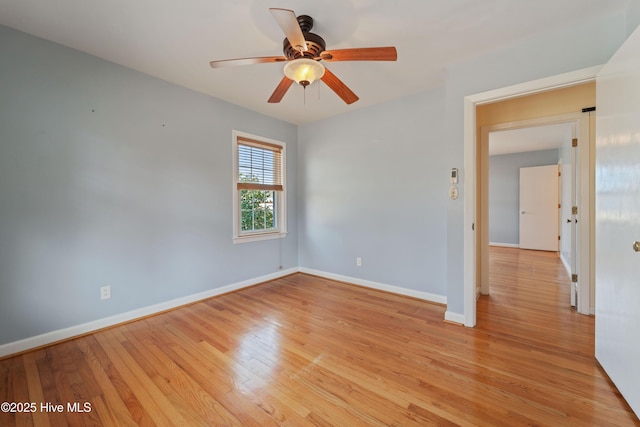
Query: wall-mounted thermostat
454	176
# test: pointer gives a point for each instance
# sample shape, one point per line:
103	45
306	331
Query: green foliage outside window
257	208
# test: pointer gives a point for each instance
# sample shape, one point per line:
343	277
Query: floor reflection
257	357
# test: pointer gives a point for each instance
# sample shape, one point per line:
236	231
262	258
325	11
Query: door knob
636	246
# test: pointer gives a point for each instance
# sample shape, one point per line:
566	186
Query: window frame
280	199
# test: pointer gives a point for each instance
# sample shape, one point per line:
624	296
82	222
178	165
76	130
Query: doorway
513	151
473	162
512	146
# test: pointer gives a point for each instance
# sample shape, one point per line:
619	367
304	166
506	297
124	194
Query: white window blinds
259	165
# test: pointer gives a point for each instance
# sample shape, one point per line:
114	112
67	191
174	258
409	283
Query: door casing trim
584	75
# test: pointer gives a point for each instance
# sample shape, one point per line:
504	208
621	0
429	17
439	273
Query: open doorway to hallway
517	124
472	160
530	188
530	287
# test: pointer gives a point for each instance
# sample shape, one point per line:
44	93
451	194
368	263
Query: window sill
258	237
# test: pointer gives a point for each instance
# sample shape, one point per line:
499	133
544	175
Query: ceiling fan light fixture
304	71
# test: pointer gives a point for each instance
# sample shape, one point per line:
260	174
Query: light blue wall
372	184
109	176
504	192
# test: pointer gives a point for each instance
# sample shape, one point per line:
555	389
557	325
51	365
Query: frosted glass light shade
304	71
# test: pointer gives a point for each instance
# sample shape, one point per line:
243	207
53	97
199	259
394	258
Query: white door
539	208
618	220
577	233
583	222
573	224
569	227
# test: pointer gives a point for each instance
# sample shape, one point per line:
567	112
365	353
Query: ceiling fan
303	51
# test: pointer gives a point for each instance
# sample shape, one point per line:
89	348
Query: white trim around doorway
470	157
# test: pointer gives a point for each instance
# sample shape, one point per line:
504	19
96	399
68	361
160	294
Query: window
259	197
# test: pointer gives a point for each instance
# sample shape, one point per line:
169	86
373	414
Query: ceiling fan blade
288	22
338	87
246	61
361	54
282	88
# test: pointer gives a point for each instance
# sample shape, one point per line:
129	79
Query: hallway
530	291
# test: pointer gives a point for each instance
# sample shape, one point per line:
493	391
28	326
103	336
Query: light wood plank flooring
302	350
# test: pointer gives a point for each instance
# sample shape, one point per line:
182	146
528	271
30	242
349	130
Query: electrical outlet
105	292
358	262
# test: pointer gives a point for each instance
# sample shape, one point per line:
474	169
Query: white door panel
539	208
618	220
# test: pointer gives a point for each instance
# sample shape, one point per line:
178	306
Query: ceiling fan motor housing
315	44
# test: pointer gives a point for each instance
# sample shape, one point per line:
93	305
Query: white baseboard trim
567	267
74	331
505	245
440	299
454	317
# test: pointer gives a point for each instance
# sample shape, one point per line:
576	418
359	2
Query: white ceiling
547	137
175	40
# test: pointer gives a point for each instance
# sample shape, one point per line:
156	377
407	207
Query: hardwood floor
302	350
